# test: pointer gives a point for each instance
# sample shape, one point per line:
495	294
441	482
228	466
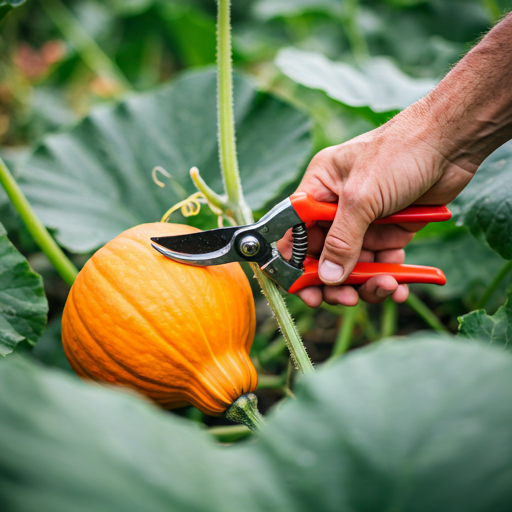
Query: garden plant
132	382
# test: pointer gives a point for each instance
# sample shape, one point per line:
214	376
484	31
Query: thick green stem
226	132
344	338
502	273
389	318
39	233
86	47
244	410
425	312
229	165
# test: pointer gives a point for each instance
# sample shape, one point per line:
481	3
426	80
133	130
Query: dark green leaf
397	426
7	5
23	305
485	205
469	266
94	182
378	84
497	329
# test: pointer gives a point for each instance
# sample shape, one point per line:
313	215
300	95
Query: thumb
343	243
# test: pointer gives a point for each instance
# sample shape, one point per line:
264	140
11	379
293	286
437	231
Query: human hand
372	176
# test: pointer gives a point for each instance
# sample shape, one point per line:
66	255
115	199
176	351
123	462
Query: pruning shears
256	243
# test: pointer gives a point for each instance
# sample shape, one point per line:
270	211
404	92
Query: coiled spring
300	245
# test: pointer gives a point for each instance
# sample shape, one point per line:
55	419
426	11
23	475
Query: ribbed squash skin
176	333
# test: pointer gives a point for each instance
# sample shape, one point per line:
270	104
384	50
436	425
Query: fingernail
331	272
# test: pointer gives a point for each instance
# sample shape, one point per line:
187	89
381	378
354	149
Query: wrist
468	114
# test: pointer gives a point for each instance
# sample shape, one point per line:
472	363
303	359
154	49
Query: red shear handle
364	271
310	210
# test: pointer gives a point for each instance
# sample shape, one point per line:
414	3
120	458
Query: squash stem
232	183
39	233
244	410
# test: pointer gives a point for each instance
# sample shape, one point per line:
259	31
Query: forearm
469	113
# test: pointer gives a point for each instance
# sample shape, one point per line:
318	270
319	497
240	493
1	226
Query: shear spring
300	245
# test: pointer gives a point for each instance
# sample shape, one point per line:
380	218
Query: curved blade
201	249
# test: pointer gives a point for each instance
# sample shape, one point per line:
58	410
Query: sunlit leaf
497	329
485	205
93	182
23	305
397	425
378	84
266	9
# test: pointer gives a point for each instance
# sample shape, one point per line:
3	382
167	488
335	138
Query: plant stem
229	165
212	197
227	139
502	273
244	410
86	47
39	233
344	338
389	318
414	302
230	433
353	31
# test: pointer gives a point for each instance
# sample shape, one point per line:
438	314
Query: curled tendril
160	169
189	207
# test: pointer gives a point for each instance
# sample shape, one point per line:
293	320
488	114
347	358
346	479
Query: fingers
343	242
377	289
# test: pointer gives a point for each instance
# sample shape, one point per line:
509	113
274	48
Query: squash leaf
496	328
268	9
397	426
446	246
485	205
378	84
23	305
94	181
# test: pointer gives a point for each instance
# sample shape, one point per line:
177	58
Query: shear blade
201	249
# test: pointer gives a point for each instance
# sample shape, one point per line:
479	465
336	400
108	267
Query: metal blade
206	248
203	242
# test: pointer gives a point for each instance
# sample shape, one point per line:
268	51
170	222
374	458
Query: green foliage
23	305
378	84
405	419
497	329
93	182
485	205
267	9
447	247
6	6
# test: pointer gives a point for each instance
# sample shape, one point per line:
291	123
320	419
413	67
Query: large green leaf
469	265
378	84
7	5
496	329
418	425
23	305
485	205
266	9
93	182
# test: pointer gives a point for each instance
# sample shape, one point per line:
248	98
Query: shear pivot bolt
249	246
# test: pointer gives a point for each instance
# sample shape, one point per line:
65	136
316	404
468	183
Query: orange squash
175	333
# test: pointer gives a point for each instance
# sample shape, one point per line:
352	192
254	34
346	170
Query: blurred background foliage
65	65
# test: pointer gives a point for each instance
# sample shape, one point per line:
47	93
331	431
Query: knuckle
336	245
